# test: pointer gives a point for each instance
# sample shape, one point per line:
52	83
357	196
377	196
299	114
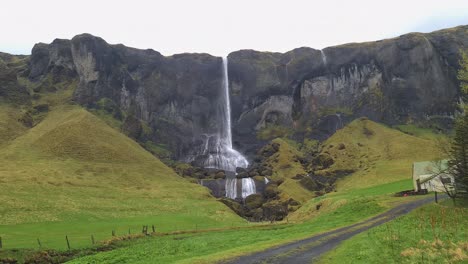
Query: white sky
219	26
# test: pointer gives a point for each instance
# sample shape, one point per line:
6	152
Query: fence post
39	243
113	232
154	230
92	239
129	231
1	244
68	242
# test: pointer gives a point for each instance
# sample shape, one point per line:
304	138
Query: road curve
306	250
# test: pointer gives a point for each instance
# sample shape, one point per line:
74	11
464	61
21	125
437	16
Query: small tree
458	158
458	161
456	150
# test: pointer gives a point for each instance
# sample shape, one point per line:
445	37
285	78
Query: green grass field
435	233
74	175
337	210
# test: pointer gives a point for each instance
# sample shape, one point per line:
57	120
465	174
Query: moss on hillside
286	165
375	153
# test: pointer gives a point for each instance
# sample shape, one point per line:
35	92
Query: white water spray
324	57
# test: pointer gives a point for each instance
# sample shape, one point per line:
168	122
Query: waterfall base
233	188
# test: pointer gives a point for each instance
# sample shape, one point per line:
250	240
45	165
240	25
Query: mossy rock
220	175
257	214
271	190
259	178
309	184
254	201
324	160
235	206
243	174
41	108
26	119
266	172
253	173
274	210
298	177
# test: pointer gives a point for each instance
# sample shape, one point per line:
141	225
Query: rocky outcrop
310	92
393	81
175	96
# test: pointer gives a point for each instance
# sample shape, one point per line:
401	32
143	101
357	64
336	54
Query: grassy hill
285	166
377	154
74	175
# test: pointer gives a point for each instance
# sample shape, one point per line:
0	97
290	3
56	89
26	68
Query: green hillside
286	166
375	153
74	175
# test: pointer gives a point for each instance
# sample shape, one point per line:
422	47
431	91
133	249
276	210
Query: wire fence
76	239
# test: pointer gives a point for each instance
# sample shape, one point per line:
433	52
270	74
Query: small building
431	176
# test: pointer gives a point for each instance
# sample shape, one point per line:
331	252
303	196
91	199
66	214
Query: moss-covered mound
371	153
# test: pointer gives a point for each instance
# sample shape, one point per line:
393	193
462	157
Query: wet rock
220	175
243	174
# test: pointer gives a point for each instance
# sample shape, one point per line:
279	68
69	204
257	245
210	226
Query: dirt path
306	250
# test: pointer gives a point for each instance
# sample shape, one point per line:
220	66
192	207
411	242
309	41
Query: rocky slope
305	92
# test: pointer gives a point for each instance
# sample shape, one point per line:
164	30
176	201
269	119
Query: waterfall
248	187
339	123
324	57
216	151
231	188
266	180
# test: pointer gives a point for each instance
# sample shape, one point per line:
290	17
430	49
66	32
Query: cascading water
217	151
324	57
248	187
339	123
231	188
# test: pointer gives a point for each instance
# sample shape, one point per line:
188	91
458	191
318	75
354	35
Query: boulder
309	184
243	174
271	190
274	210
220	175
254	201
234	205
266	172
253	173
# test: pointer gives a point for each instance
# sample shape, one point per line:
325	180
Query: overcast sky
218	26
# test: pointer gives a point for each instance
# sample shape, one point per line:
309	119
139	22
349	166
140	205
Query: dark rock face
309	91
396	80
175	95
